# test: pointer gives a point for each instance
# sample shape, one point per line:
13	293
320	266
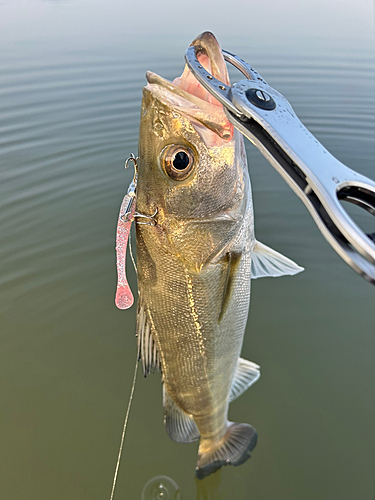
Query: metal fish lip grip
268	120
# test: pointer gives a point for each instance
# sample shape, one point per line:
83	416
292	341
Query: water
70	91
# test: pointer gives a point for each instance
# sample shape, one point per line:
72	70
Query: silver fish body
194	253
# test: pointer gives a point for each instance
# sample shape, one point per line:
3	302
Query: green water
70	90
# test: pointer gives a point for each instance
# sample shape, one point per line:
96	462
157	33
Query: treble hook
150	217
132	189
130	215
134	215
134	159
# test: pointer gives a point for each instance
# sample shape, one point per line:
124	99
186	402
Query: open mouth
211	58
188	96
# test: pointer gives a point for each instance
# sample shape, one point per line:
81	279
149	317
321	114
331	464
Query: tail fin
233	449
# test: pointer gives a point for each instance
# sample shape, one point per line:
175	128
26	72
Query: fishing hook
134	159
127	216
150	217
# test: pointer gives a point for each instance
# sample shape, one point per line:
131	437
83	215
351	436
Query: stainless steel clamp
268	120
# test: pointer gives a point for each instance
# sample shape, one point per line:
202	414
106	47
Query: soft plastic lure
124	296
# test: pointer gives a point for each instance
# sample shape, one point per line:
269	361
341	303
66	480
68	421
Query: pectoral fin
232	261
180	426
247	374
267	262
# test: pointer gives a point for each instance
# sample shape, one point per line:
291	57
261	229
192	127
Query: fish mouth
190	97
210	56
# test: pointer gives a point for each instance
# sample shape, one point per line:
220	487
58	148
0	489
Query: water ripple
66	128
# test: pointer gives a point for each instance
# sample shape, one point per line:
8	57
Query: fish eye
181	160
177	161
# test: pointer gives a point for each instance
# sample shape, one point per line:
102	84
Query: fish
196	256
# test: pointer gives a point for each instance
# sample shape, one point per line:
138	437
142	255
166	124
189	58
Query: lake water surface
70	92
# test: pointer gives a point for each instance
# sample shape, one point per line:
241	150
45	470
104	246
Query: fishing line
131	251
124	430
132	186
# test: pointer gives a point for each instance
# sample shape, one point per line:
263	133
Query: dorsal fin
147	345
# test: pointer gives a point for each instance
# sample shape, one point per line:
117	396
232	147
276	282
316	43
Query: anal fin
247	374
179	425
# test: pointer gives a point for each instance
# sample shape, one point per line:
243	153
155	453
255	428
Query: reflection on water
161	488
208	488
70	92
164	488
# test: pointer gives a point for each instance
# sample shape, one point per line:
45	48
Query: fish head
192	164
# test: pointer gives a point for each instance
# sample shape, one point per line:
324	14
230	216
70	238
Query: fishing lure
124	296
